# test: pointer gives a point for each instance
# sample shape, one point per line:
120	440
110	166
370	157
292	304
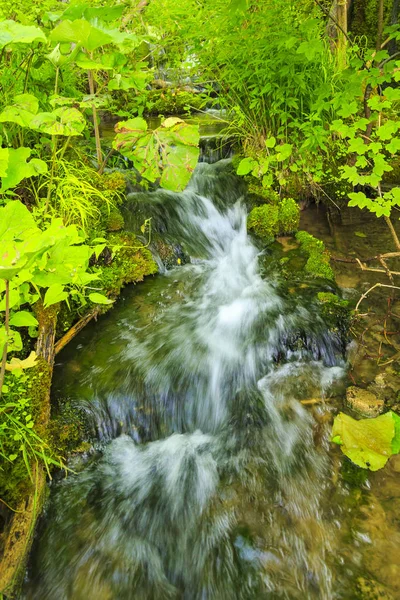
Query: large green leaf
18	168
137	80
179	167
65	121
23	318
54	294
98	13
170	153
64	265
4	156
82	33
368	443
11	260
22	111
16	221
99	298
83	61
15	33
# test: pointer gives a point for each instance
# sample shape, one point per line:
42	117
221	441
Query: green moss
263	221
115	220
268	220
255	187
130	264
289	216
174	102
113	181
318	263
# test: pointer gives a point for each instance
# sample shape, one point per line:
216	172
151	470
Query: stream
208	478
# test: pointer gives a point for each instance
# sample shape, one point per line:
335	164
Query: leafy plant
54	260
168	154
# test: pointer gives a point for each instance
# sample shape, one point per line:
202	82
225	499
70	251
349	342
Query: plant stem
53	166
7	326
54	148
95	122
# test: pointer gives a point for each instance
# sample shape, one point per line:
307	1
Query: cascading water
209	476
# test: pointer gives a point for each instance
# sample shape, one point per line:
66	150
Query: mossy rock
263	221
130	264
318	262
174	102
115	221
269	220
353	475
289	216
335	312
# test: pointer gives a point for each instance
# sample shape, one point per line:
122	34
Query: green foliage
14	167
54	260
368	443
20	444
318	262
168	154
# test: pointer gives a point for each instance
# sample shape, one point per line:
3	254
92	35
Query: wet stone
363	402
372	590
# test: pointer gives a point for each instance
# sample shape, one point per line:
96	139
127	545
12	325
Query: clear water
209	480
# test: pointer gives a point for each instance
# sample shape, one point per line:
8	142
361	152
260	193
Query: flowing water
208	479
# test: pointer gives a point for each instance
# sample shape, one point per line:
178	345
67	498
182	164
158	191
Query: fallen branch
371	289
71	333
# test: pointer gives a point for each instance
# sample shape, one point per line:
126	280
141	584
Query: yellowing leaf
17	363
367	442
171	121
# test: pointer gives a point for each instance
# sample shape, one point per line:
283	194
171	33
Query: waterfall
208	482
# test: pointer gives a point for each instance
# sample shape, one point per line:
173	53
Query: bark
393	21
379	32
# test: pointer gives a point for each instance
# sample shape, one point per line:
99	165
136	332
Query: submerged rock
364	402
368	589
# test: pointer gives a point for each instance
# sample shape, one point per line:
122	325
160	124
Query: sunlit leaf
12	32
97	298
